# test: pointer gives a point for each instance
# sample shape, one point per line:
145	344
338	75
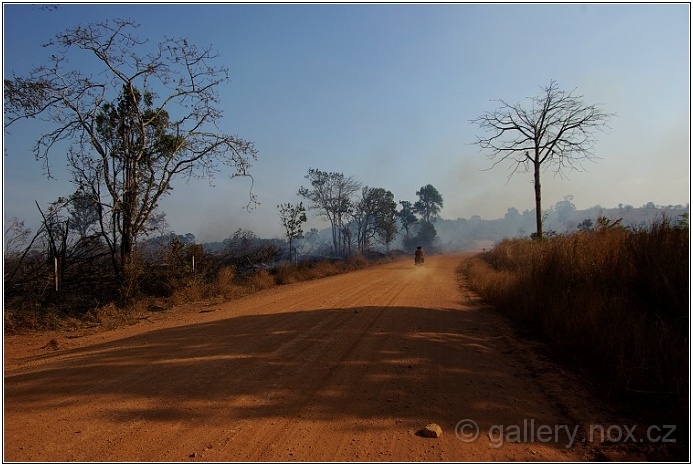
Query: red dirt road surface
345	368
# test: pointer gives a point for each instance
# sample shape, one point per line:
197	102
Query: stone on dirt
52	345
431	431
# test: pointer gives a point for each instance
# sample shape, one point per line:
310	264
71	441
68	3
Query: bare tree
136	116
557	130
16	236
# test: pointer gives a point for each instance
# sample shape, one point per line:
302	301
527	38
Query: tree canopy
135	116
429	204
376	217
331	195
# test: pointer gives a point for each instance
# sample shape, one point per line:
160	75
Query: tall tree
136	117
556	130
331	195
429	204
376	217
407	217
426	235
292	217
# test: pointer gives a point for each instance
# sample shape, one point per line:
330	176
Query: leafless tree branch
555	131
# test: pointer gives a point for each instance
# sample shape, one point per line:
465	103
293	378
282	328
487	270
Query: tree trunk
335	236
537	198
127	267
130	230
127	241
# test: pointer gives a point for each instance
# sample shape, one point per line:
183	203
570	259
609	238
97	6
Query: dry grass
615	301
224	285
169	290
259	281
14	321
286	273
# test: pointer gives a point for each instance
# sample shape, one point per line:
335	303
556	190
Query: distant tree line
558	219
364	218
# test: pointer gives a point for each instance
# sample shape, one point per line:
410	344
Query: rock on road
345	368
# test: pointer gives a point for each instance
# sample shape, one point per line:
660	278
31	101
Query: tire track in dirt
345	368
315	387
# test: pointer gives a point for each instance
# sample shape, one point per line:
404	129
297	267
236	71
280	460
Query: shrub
259	280
166	278
356	262
287	273
224	284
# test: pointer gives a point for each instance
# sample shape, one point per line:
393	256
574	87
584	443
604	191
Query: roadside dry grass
615	303
224	285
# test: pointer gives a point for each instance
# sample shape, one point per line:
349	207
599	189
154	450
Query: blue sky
385	93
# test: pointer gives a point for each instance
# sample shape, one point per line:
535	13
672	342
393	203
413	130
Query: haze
385	93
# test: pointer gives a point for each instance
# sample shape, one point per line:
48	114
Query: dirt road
346	368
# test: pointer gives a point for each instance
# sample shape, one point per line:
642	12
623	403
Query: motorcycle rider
419	255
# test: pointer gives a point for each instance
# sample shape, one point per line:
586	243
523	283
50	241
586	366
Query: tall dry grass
227	284
287	273
615	301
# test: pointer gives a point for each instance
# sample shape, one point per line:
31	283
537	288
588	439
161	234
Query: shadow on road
372	362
